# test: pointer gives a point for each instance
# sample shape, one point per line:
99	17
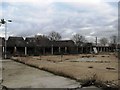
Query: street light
5	23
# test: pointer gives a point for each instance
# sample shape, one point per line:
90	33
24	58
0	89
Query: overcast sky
68	17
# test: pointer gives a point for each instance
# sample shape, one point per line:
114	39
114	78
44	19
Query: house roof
30	42
62	43
16	41
34	41
45	42
40	42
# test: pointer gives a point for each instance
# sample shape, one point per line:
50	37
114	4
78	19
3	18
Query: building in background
36	46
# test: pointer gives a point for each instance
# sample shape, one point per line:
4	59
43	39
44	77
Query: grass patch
70	70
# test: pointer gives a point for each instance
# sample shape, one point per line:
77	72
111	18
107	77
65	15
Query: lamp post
5	23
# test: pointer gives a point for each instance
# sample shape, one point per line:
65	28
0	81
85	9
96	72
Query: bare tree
113	39
78	39
104	41
54	36
41	37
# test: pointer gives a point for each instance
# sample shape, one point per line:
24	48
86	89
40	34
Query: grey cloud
29	20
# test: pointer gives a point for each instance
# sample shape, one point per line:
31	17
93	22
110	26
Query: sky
96	18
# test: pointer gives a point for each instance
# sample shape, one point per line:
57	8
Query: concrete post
3	49
52	50
101	49
25	50
104	48
15	49
59	49
65	49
